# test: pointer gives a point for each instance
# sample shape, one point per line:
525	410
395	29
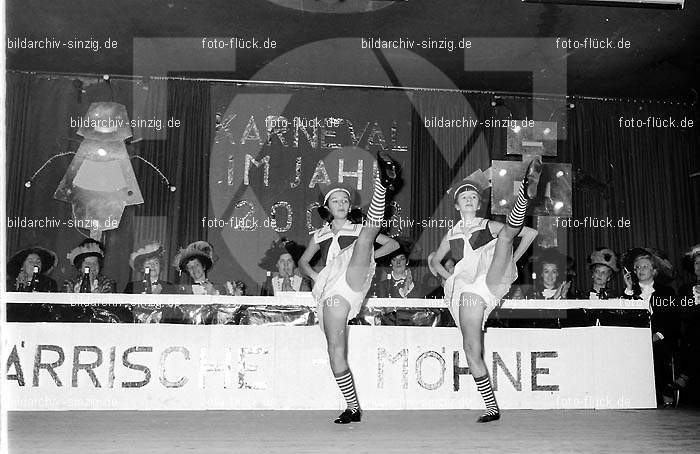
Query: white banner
56	366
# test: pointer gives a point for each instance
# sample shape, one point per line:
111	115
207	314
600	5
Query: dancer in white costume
347	251
485	268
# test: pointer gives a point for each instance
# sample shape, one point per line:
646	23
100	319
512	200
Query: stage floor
170	432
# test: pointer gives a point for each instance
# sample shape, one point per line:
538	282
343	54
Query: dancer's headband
328	194
466	187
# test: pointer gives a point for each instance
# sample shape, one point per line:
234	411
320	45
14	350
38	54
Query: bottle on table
266	289
85	286
34	281
147	285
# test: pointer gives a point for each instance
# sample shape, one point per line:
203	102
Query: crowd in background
640	273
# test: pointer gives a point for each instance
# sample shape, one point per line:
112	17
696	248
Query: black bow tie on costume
602	294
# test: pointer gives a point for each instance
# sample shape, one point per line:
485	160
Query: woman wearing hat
89	254
689	352
485	268
196	260
20	270
347	251
646	282
22	278
281	260
603	265
148	257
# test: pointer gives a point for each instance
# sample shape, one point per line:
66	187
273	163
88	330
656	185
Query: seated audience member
645	282
89	254
281	260
691	290
689	352
20	270
236	288
433	283
549	282
21	278
603	265
399	281
148	257
196	260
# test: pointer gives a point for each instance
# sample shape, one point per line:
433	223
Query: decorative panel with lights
539	139
553	197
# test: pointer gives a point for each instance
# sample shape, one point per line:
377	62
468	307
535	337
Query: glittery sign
383	355
419	369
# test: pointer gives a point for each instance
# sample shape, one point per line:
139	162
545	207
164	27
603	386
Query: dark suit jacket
138	287
665	311
387	289
46	284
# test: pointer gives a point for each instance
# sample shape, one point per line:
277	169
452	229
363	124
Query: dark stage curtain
645	172
39	110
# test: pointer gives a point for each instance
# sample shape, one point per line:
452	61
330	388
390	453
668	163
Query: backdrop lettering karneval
277	150
158	367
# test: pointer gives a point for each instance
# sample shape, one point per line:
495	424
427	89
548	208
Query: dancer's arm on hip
309	253
442	250
389	245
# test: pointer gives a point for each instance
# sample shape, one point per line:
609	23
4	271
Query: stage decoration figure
100	180
485	266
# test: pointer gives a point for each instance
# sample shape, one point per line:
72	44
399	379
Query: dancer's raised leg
503	251
364	245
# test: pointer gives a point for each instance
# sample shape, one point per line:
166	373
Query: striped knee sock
347	387
375	214
516	217
483	384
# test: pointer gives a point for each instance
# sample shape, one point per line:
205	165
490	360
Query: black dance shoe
349	416
388	171
488	417
532	177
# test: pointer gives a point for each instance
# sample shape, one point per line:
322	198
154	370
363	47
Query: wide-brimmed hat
141	255
664	267
88	248
198	250
604	256
105	121
277	248
550	255
49	260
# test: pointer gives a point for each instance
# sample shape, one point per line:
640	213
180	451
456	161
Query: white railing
294	299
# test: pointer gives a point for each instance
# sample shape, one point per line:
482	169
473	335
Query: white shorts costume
477	248
331	281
